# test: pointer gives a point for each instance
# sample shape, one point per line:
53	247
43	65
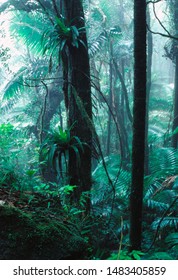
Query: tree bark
149	67
175	117
175	120
79	102
139	114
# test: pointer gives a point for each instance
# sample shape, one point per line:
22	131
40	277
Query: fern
101	181
156	205
97	44
168	222
163	163
172	239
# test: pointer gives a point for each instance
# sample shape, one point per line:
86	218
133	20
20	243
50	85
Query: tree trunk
149	67
79	102
139	114
109	126
175	119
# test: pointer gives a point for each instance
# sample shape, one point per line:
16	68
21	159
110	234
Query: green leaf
63	28
74	30
175	131
62	45
76	150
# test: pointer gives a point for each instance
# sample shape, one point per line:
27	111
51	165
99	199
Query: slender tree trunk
79	102
139	114
125	93
149	67
108	144
175	120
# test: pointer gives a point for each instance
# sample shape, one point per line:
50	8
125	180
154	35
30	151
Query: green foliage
172	240
60	35
97	44
102	191
14	86
28	27
168	222
175	131
56	148
8	154
39	235
23	79
125	255
15	152
159	256
163	162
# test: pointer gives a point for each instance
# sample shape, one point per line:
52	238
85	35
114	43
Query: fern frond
14	86
97	44
172	239
171	222
163	162
157	205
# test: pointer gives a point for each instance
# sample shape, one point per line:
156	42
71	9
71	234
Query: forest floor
28	201
34	226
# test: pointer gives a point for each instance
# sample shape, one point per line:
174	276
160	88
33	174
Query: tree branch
154	11
162	34
153	2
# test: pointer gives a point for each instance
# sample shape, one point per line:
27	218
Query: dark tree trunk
79	102
139	114
175	118
149	67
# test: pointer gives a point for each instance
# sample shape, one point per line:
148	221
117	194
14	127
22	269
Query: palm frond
171	222
29	29
157	205
97	44
14	86
22	81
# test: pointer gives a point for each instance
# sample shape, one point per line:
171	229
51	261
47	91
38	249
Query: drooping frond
97	44
26	78
14	86
29	29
